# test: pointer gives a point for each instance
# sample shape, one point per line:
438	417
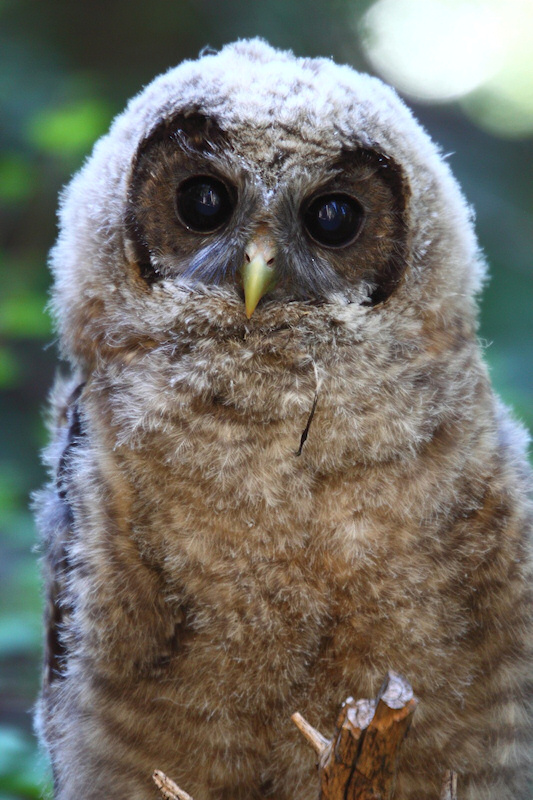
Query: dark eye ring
334	220
203	203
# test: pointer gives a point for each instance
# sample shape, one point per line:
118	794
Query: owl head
253	213
258	185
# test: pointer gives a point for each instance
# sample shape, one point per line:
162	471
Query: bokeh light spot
477	51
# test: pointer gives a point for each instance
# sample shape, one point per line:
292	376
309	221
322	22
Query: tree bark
360	762
167	787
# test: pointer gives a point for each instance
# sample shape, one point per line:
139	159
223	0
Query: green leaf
69	131
9	371
23	316
17	178
23	771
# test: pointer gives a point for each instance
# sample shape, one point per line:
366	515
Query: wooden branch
449	786
361	760
167	787
318	742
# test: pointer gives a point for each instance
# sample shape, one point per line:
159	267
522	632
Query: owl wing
57	524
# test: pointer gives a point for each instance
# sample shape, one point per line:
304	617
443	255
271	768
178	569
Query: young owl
279	469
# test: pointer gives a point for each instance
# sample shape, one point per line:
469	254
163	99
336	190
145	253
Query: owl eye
334	220
203	203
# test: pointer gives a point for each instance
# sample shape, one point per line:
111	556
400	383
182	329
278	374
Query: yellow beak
258	272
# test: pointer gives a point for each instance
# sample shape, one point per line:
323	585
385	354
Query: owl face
279	219
251	191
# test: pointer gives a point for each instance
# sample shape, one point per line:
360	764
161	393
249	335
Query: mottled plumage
217	556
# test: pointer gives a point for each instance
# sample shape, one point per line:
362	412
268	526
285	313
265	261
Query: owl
278	468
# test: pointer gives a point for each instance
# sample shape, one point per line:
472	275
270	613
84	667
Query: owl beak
258	273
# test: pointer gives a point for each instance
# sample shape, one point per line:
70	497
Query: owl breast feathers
278	469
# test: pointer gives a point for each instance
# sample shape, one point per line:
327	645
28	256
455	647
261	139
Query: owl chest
259	627
280	582
251	620
304	634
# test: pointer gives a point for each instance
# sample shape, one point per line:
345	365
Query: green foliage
9	369
23	316
17	178
71	130
23	774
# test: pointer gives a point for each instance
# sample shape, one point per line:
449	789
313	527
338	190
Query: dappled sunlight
477	51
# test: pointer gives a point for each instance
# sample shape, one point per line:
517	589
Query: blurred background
464	66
